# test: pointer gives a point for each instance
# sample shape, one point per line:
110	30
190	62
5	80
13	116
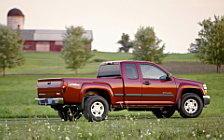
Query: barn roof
49	35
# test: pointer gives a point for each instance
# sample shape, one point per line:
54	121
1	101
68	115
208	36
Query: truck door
132	84
156	88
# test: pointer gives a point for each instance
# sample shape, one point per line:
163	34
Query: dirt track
111	118
190	67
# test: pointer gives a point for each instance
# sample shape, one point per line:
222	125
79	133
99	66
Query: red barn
39	40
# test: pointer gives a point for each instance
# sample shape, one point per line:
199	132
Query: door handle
146	83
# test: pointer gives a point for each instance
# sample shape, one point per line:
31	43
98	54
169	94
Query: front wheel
96	108
191	105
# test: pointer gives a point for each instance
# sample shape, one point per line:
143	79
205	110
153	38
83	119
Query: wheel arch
97	89
189	90
100	92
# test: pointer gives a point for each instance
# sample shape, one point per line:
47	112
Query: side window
151	72
131	71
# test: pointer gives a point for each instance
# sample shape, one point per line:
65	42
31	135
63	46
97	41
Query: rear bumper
207	99
49	101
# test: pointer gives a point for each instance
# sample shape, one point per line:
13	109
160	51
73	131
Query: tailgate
50	88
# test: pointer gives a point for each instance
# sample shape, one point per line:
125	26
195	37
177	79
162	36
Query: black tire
191	105
164	112
69	113
95	108
63	115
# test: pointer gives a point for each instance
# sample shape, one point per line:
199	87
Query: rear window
131	71
109	70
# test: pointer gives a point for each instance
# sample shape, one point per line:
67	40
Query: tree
193	48
147	46
125	42
10	49
210	42
75	51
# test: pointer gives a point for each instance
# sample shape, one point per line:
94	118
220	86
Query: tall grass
127	129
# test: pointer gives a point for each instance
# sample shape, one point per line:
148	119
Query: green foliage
125	42
10	48
76	52
192	48
147	46
210	43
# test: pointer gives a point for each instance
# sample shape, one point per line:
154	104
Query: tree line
209	46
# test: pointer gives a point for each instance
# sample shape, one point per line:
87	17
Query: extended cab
131	85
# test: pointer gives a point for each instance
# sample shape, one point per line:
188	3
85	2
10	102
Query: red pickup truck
131	85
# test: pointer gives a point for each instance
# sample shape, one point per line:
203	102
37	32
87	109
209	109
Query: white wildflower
67	138
60	138
208	136
148	132
193	133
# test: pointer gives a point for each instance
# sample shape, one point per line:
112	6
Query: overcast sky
174	21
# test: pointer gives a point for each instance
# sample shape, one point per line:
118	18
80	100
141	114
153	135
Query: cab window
131	71
151	72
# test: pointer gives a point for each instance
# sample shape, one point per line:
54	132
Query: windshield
109	70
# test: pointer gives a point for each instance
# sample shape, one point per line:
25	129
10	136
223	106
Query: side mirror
168	77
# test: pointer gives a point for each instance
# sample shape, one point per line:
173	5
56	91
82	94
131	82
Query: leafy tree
210	43
75	51
147	46
125	42
10	49
193	48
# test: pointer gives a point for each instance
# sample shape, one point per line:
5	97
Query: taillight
64	86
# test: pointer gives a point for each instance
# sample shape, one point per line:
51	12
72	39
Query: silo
15	19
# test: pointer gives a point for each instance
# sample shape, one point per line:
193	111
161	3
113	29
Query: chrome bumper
207	99
49	101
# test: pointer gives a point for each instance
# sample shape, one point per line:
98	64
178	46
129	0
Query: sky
175	22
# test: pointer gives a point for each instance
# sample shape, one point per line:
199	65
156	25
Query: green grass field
17	93
125	129
52	63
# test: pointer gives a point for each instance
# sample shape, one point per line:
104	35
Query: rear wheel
69	113
62	114
191	105
164	112
96	108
